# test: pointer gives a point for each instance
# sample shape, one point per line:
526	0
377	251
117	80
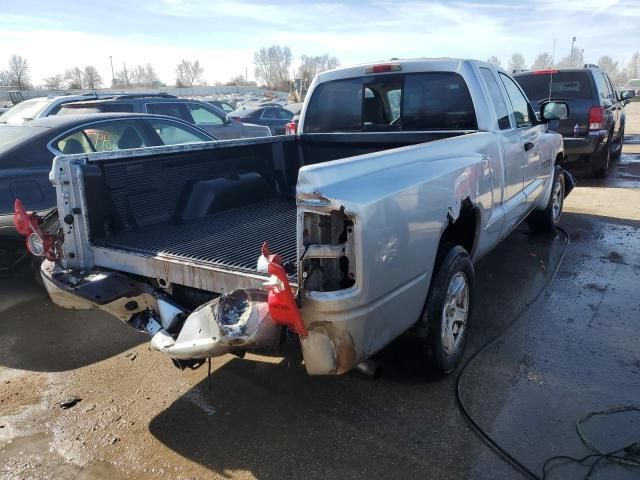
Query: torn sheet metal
237	321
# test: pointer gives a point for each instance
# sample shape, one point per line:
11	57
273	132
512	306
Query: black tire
600	161
546	221
441	357
618	152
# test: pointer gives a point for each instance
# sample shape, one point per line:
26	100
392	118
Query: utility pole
572	43
553	55
113	77
246	75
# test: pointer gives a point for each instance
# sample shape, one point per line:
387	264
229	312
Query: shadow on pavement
274	421
39	336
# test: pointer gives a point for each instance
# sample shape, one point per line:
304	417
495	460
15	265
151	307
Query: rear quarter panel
402	201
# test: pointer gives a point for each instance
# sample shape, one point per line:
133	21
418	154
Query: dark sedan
27	151
274	117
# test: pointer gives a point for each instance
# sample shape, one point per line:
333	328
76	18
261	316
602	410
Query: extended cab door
511	208
535	173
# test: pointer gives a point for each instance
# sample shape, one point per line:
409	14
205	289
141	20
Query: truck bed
230	239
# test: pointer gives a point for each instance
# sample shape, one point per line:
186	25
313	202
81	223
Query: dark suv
204	115
594	130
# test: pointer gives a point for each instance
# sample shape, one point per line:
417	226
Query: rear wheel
546	221
448	311
600	161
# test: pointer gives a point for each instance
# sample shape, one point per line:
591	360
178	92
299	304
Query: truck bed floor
231	239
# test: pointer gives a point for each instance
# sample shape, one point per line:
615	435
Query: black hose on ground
628	455
478	429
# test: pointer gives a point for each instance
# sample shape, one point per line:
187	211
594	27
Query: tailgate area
231	239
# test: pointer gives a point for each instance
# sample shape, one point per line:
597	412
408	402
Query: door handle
528	146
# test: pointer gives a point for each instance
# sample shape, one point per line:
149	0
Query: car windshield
27	110
559	85
12	135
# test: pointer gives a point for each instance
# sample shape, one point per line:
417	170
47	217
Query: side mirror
554	111
627	94
226	120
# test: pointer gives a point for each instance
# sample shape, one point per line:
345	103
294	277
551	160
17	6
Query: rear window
560	85
410	102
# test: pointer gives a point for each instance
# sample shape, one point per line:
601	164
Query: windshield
27	110
560	85
13	135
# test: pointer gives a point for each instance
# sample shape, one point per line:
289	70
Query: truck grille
231	239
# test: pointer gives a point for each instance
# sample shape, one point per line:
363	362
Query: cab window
518	102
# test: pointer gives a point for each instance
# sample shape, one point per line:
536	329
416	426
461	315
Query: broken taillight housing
27	224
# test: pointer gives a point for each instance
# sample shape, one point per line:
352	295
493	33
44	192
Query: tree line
619	74
272	70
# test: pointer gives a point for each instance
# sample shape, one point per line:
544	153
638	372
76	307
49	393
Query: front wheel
448	311
546	221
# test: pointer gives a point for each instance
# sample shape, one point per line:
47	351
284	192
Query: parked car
363	226
224	106
594	130
292	127
196	112
634	85
273	116
27	151
32	108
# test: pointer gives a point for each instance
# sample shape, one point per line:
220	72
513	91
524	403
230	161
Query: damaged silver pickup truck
363	226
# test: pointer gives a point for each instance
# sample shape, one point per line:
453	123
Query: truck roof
414	65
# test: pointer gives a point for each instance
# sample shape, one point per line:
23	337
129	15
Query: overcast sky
223	35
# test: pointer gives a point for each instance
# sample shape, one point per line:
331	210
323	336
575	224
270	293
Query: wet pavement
575	349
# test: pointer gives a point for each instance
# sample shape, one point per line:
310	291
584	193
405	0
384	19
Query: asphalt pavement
572	310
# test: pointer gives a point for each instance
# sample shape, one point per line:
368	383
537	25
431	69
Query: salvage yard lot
573	350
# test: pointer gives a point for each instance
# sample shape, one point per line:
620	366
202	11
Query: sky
56	35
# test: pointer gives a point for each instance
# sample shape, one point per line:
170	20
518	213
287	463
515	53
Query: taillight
27	224
290	128
596	118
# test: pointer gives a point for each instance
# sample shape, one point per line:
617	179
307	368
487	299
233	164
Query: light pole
113	77
572	43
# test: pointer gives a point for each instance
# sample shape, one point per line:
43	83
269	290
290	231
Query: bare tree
272	66
493	60
542	61
55	82
91	77
74	78
19	71
123	77
609	65
517	62
144	75
574	60
311	66
188	73
5	78
633	69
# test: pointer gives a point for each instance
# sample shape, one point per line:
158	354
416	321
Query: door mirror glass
226	120
554	111
627	94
